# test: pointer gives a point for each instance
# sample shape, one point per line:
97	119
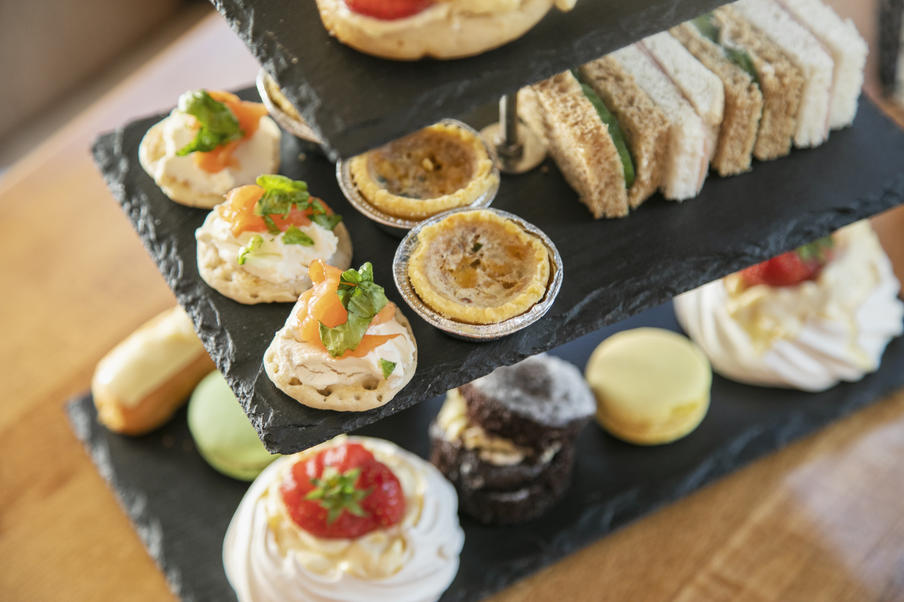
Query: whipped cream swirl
810	336
269	558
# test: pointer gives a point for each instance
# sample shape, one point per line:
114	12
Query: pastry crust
340	398
153	148
446	35
462	261
231	280
451	164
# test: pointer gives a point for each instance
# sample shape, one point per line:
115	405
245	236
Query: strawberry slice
791	268
388	10
343	492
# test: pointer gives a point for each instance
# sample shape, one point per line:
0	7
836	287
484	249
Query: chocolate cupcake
506	441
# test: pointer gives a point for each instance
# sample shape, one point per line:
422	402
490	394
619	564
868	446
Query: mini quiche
479	267
443	166
257	245
208	145
344	346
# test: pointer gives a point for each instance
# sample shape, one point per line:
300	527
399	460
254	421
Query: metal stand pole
517	148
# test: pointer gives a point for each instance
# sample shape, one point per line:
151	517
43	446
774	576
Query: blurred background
57	57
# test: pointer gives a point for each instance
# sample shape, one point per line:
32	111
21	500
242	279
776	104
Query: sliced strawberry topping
791	268
388	9
343	492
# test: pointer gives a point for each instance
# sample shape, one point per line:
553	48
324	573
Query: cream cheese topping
808	336
254	156
274	261
267	557
316	368
148	357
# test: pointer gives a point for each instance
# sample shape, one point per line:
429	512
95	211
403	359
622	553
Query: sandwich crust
340	398
743	102
439	31
781	84
644	125
569	121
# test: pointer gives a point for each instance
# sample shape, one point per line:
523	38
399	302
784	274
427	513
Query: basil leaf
363	299
387	367
344	337
272	228
742	59
706	25
294	236
218	124
615	131
328	222
253	245
280	195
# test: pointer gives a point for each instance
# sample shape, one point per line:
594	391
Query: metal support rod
518	149
510	147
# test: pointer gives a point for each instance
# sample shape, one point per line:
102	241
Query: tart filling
440	167
478	267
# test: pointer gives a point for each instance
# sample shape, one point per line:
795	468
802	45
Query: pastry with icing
355	518
344	346
805	320
209	144
256	246
506	440
443	29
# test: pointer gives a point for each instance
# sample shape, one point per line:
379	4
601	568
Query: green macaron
222	432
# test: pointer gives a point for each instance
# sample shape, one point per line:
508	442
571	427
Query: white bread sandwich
810	56
690	144
443	29
848	50
618	163
743	98
780	81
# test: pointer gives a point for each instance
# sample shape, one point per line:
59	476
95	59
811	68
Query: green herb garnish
818	250
294	236
337	493
387	367
272	228
363	299
708	28
218	124
253	245
282	194
706	25
615	131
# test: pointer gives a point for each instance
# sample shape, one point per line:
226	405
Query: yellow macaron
651	385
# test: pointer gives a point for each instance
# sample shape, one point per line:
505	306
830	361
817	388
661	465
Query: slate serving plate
613	268
181	507
356	102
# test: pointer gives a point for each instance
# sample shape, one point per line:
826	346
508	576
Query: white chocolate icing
809	336
267	557
149	357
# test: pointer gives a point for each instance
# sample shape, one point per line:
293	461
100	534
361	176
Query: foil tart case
464	330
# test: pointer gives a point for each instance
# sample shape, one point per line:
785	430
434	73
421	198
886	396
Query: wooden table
823	519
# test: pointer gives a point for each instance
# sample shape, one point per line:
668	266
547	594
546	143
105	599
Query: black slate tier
357	102
613	268
181	507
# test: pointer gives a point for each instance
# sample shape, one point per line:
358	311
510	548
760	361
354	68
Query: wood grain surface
821	520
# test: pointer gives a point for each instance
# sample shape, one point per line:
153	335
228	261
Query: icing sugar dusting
543	388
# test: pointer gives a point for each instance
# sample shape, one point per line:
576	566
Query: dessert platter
732	223
181	507
676	163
